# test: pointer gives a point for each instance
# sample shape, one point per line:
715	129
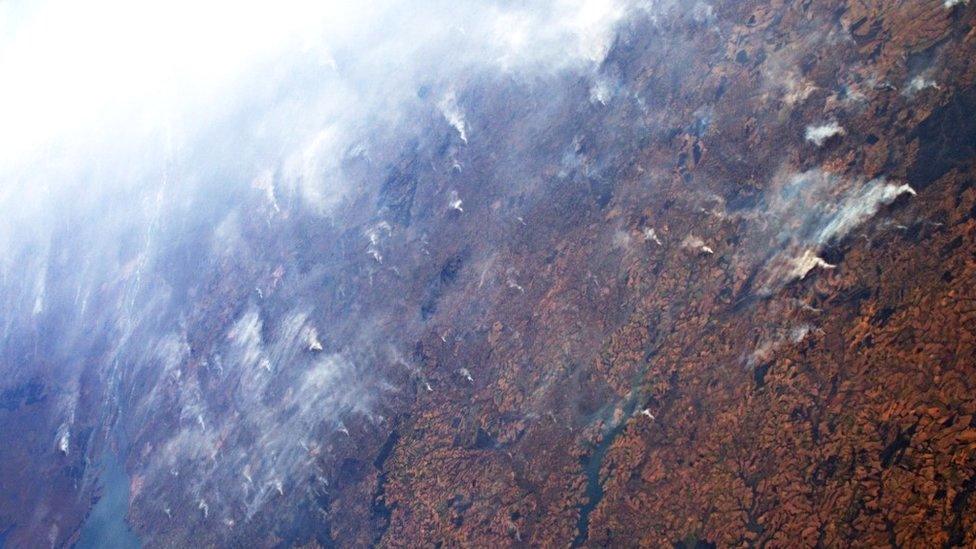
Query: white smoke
692	242
452	113
184	63
323	390
141	115
807	211
137	141
807	262
818	135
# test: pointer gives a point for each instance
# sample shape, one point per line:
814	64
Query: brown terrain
859	430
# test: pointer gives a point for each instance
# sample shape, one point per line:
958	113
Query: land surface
610	342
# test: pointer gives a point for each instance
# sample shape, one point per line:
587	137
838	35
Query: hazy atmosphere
487	273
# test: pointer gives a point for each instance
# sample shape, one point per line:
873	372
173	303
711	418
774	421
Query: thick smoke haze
140	142
121	109
128	124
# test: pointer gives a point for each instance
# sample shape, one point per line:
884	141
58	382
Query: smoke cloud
143	147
